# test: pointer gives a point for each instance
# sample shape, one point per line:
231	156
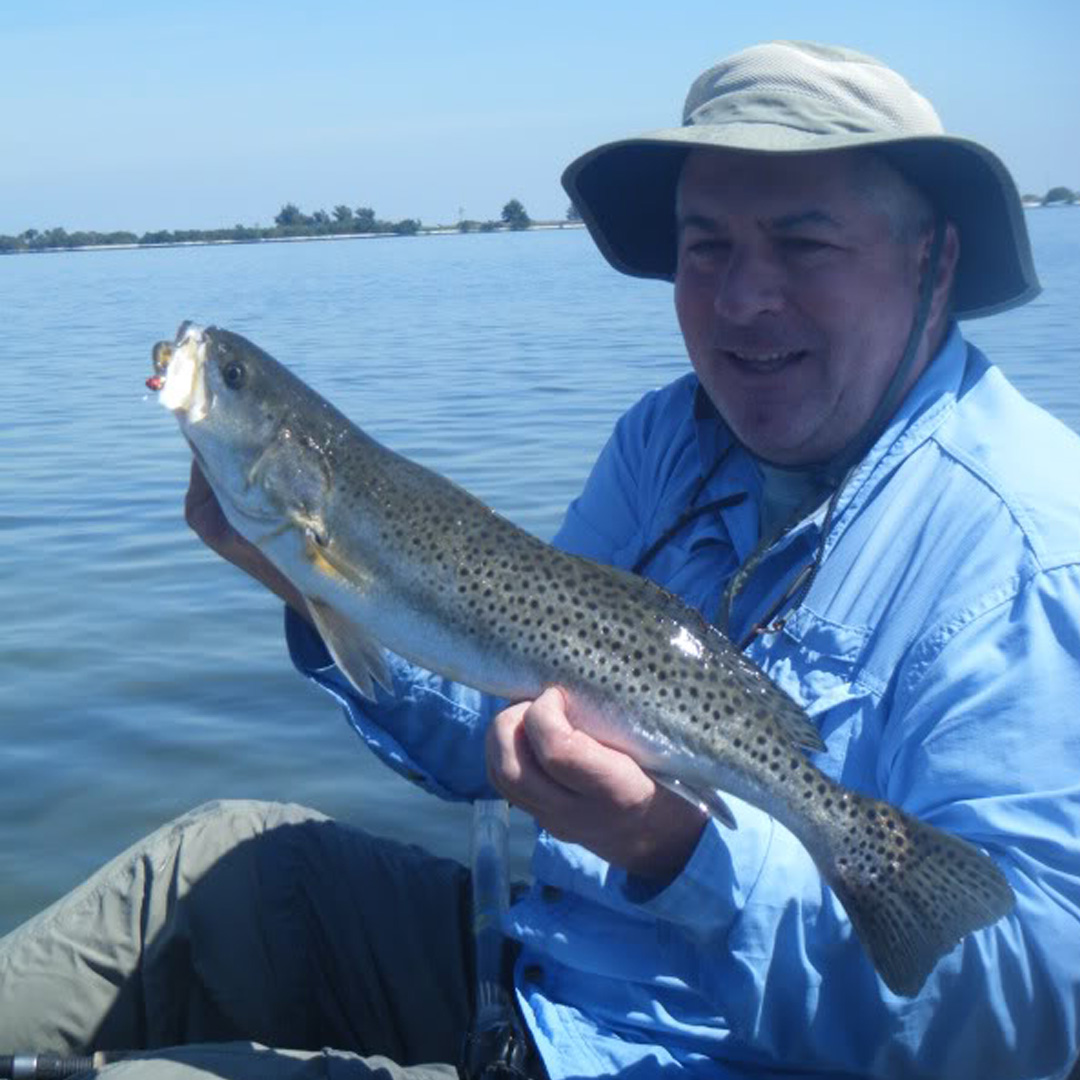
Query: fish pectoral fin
325	559
707	799
359	656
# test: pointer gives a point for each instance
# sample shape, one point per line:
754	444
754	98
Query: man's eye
706	248
804	244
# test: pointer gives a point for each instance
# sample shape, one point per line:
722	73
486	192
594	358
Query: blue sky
194	115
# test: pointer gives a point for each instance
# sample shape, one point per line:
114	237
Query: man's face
794	296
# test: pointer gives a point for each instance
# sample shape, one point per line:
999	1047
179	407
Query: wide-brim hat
797	98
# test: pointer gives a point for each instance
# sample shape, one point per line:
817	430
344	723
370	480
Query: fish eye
234	375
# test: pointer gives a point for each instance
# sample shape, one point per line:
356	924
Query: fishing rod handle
51	1066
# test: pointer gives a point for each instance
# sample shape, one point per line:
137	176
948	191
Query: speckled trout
391	556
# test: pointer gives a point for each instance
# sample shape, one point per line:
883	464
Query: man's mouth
762	361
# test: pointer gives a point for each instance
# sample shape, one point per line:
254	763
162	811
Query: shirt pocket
819	663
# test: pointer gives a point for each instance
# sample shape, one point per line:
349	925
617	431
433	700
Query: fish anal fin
358	655
707	799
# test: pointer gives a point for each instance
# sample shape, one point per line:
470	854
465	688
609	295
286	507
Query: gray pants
245	927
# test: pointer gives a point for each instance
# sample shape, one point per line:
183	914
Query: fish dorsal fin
359	656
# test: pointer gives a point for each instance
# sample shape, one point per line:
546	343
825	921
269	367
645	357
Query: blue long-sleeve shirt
938	652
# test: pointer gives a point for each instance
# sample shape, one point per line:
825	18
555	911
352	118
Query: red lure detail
155	382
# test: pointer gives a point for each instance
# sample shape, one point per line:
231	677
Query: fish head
237	407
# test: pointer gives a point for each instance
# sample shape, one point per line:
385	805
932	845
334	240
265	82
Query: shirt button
532	973
550	893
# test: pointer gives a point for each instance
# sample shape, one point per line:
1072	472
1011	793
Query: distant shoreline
435	230
420	230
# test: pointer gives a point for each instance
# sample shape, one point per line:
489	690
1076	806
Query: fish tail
911	890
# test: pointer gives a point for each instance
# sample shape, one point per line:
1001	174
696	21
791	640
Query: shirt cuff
312	659
717	881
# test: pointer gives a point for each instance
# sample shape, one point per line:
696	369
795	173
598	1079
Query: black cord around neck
692	512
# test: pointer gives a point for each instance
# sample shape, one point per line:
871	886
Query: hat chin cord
839	467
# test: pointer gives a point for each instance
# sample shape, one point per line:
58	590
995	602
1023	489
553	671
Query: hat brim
625	193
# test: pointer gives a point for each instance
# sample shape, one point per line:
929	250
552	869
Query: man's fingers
537	754
199	489
576	760
500	750
587	793
207	520
513	768
201	509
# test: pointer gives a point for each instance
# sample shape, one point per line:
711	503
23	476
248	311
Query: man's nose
752	284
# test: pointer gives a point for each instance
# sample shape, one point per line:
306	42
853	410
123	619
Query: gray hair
910	213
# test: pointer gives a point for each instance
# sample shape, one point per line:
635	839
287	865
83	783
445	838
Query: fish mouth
178	373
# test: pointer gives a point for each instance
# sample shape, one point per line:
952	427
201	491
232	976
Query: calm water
139	675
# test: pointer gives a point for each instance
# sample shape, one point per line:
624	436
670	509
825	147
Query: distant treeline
291	221
1056	196
344	220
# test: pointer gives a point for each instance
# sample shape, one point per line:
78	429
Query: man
905	562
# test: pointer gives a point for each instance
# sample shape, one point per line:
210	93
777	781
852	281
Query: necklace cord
692	512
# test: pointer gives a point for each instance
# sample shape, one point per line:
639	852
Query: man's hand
586	793
204	515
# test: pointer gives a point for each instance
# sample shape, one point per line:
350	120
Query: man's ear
948	259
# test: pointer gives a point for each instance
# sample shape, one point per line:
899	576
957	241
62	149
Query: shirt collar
922	411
